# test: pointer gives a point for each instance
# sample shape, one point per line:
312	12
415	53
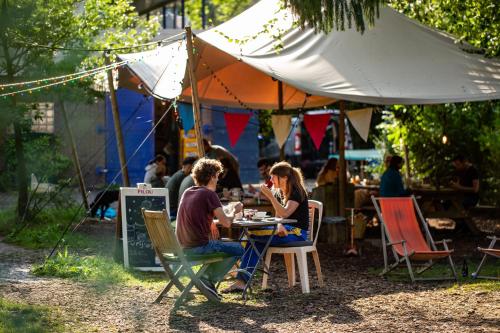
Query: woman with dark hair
328	173
289	199
391	183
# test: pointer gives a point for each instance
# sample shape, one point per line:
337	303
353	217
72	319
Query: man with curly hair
196	230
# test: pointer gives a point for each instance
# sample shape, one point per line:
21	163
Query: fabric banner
360	120
316	126
186	115
281	128
236	123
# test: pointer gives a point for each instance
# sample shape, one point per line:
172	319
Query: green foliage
24	318
99	270
217	11
472	129
43	157
476	22
44	230
327	15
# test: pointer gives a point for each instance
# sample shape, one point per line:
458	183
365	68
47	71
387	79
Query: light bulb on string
444	139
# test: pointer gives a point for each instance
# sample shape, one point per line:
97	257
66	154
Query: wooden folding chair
170	252
401	231
490	251
300	249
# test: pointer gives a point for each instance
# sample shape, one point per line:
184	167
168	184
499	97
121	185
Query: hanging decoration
235	124
360	120
316	126
32	86
281	128
186	115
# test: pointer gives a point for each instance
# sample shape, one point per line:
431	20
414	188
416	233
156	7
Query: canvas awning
398	61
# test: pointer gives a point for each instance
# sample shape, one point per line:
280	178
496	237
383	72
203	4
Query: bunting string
61	48
66	79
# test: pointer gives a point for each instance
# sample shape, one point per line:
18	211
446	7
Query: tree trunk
22	181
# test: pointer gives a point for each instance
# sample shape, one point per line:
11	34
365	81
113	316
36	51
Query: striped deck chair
400	230
490	251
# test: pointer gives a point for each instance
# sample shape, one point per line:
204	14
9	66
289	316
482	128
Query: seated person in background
155	170
264	165
328	173
229	178
219	152
290	202
186	183
391	183
467	180
362	196
174	183
161	176
196	230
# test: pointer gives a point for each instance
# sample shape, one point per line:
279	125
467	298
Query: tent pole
194	93
116	120
342	170
280	111
74	154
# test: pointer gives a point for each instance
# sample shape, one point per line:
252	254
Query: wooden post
342	170
74	154
118	128
407	163
194	93
280	111
183	13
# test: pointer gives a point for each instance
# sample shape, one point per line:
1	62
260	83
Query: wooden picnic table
443	202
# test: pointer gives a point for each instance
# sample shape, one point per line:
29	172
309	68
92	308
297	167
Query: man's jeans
216	271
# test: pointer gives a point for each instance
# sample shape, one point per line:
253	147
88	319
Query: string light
63	82
158	43
61	77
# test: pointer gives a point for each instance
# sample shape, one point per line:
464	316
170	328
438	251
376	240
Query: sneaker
210	287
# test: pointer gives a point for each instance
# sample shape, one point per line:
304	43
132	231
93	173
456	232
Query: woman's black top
301	214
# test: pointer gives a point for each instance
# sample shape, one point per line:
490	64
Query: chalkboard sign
138	252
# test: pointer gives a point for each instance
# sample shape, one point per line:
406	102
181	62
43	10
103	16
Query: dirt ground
353	300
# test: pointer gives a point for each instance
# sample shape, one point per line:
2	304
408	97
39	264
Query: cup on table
249	213
260	215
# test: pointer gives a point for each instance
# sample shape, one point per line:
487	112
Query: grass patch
44	230
96	269
490	268
20	318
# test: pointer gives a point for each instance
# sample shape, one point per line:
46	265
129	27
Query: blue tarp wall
247	147
136	119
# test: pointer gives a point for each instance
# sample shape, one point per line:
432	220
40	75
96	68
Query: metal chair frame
407	255
489	251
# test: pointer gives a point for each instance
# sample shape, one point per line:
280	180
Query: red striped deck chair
490	251
400	230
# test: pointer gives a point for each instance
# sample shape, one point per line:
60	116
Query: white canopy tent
239	64
398	61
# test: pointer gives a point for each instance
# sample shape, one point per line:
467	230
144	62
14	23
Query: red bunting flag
316	126
236	123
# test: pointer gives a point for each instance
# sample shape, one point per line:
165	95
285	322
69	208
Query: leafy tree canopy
217	11
326	15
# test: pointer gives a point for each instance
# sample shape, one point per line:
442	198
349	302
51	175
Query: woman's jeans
216	271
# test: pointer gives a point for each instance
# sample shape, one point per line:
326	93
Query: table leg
260	255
